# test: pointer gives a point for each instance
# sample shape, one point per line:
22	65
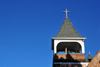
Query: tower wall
70	65
69	58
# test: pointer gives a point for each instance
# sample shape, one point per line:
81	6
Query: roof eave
71	38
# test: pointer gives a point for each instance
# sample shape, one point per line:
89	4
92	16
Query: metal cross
66	12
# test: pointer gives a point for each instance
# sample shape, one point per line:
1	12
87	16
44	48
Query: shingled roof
67	30
89	57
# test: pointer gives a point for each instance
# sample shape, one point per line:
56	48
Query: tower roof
89	56
67	30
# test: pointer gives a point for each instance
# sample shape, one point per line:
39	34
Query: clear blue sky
27	26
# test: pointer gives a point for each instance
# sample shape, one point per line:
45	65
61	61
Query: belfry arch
69	47
71	42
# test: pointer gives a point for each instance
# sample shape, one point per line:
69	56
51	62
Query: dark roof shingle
67	30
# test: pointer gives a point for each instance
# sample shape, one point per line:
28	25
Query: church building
68	40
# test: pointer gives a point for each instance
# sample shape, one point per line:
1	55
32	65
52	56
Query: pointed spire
67	30
89	56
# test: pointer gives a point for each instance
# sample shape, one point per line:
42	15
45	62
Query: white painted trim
58	38
65	50
78	41
71	63
71	53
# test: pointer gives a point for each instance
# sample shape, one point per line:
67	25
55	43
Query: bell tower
69	41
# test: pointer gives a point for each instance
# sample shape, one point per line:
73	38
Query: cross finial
66	12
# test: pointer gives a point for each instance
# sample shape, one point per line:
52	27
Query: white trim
71	63
71	53
69	38
58	41
65	50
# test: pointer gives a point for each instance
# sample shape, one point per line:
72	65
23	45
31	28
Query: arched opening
61	52
71	47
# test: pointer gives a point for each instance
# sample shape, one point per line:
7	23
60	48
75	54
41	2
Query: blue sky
27	26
